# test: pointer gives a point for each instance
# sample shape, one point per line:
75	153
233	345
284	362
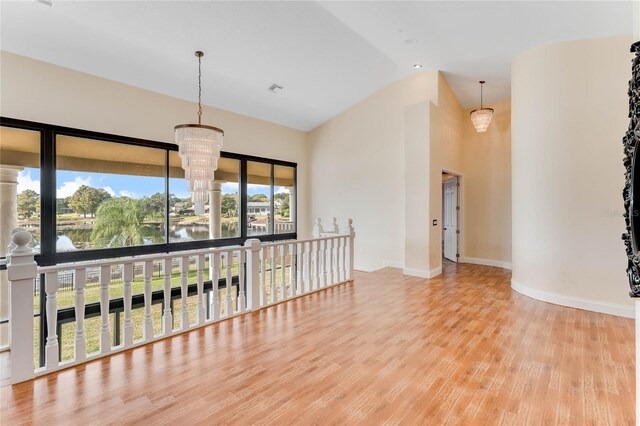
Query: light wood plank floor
462	348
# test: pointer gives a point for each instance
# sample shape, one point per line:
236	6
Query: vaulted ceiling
326	55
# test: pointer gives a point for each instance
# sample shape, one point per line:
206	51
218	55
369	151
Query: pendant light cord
199	89
481	84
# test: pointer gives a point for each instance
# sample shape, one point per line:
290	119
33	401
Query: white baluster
320	265
242	303
298	271
148	318
336	261
292	270
200	312
105	334
343	249
167	316
328	262
283	265
51	347
127	277
80	347
184	292
306	264
312	265
272	264
263	277
228	258
215	290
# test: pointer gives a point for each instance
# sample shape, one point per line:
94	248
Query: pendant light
481	118
199	148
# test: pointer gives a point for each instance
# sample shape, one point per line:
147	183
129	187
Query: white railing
271	273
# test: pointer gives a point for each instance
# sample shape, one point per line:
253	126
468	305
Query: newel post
21	272
253	273
350	253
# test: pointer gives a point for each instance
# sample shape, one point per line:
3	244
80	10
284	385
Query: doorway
450	216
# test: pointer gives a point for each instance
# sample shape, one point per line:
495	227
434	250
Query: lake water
80	239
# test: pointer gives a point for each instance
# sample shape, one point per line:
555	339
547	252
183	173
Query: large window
86	195
284	199
19	201
108	194
19	183
184	223
259	196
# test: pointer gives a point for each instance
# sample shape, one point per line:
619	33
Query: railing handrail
308	240
135	259
264	274
172	254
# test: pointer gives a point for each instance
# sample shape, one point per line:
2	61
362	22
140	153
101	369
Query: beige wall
358	168
569	113
38	91
446	154
486	161
385	156
416	189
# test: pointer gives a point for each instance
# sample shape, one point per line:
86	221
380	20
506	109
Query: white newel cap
350	229
317	229
336	229
13	245
21	265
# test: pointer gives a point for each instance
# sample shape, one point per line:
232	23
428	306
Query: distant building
254	207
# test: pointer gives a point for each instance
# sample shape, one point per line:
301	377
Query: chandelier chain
199	89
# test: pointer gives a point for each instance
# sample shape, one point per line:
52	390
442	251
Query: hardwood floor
462	348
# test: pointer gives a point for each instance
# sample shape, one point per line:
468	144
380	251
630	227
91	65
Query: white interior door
450	203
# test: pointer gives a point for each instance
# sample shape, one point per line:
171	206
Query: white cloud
229	188
125	193
68	188
282	190
26	182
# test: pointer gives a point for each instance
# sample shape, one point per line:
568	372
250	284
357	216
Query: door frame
460	215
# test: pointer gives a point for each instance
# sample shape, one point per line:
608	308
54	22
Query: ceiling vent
275	88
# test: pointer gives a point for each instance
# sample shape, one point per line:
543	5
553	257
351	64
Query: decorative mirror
631	192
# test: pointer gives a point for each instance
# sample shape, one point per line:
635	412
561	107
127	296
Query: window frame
48	186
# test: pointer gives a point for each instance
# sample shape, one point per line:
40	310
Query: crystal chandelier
199	148
481	118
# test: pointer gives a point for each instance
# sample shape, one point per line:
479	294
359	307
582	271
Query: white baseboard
422	273
575	302
435	272
486	262
393	264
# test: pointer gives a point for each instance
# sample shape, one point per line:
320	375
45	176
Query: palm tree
118	223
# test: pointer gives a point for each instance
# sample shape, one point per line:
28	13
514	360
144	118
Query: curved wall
569	113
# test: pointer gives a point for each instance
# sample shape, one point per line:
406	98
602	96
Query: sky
122	185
